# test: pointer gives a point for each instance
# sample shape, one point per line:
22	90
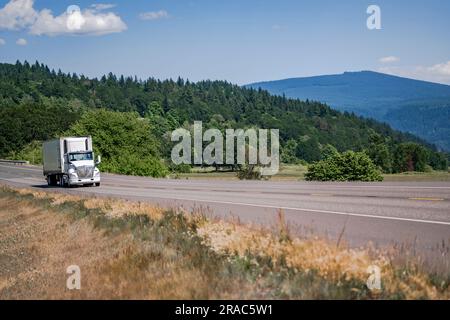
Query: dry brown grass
330	262
111	207
178	256
38	243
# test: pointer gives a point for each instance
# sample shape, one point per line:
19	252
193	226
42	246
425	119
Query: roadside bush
410	157
249	172
131	164
124	140
32	152
179	168
348	166
438	161
288	152
379	152
328	151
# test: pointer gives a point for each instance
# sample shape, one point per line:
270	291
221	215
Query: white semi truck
70	162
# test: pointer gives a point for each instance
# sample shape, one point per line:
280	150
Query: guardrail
17	162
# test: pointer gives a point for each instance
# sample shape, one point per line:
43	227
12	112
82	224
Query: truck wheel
51	180
97	184
63	182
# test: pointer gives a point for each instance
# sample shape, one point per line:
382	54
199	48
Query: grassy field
418	176
297	172
286	173
131	250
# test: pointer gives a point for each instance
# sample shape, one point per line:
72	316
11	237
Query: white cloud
442	69
2	42
17	14
87	22
20	14
154	15
436	73
389	59
102	6
21	42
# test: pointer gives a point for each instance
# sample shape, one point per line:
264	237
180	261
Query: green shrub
124	140
410	157
249	172
348	166
379	152
32	152
180	168
328	151
288	152
438	161
131	164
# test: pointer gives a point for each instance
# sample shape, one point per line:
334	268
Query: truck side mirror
99	160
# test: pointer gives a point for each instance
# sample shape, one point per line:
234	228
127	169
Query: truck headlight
96	172
72	172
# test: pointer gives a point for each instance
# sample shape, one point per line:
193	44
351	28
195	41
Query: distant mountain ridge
418	107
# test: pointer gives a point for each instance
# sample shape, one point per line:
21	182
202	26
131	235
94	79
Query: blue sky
239	41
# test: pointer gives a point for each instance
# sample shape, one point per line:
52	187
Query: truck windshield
80	156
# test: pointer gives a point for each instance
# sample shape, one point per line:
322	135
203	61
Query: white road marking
203	181
292	208
303	210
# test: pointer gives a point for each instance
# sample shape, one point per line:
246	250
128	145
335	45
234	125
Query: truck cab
81	169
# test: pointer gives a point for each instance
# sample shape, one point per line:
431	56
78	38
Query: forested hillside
37	103
419	107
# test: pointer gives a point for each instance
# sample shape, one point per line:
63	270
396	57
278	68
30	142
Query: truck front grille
85	172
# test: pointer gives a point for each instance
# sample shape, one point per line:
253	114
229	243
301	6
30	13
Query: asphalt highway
412	216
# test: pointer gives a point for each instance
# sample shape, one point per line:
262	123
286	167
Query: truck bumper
80	182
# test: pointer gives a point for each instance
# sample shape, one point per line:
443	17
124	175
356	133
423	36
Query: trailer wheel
51	180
